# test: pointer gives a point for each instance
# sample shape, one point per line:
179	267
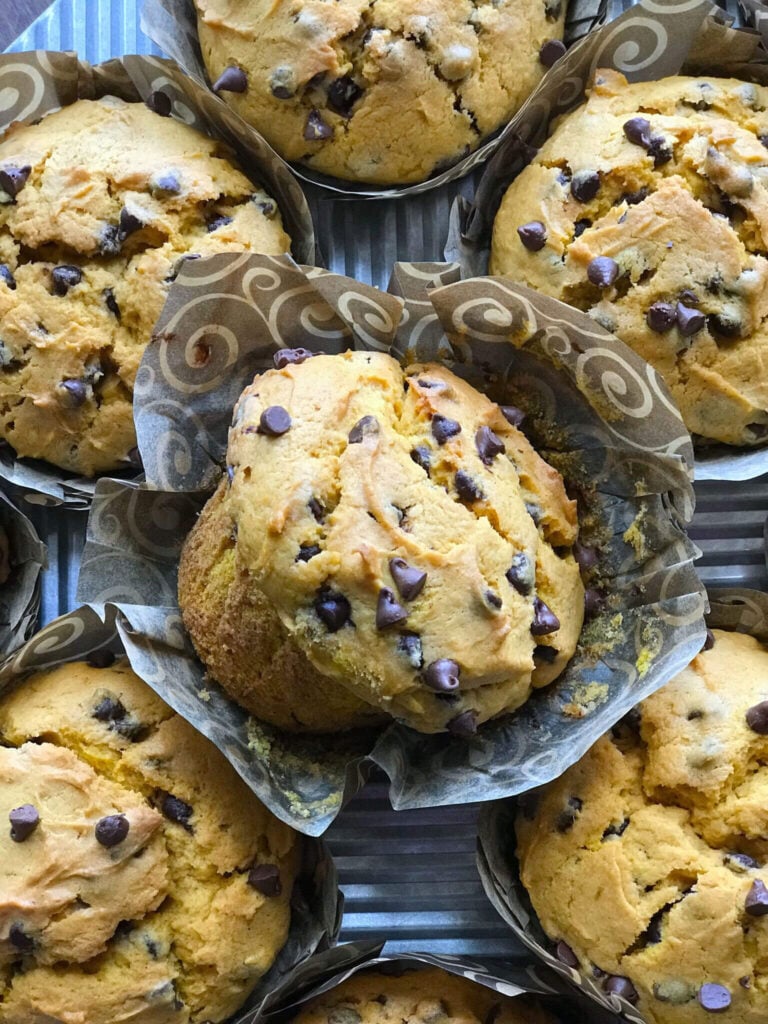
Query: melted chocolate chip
463	725
24	820
176	810
112	830
551	52
444	429
492	599
757	718
217	222
617	986
544	619
580	226
333	609
689	321
566	819
19	939
290	357
594	602
661	317
13	179
512	415
64	278
110	241
638	131
72	393
602	271
265	878
165	185
368	426
533	235
388	611
443	675
128	223
521	573
159	103
274	421
343	94
111	303
232	79
633	198
422	456
586	557
617	829
316	128
282	83
409	644
488	445
714	998
7	277
408	580
740	862
725	324
585	185
565	954
317	509
709	642
109	709
467	488
660	150
307	551
756	903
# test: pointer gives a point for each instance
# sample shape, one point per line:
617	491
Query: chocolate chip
64	278
740	862
111	303
265	878
745	981
176	810
533	235
110	242
231	79
638	131
366	427
602	271
757	718
585	185
343	94
467	488
488	445
617	829
128	223
316	129
633	198
7	277
218	222
112	830
566	819
408	580
317	509
660	150
542	653
274	421
19	939
544	619
615	985
409	644
24	820
164	185
580	226
159	103
492	599
290	357
521	573
551	52
594	602
72	393
267	206
586	557
388	611
463	725
689	321
282	82
689	298
443	675
444	429
756	903
333	609
713	997
13	179
512	415
709	643
553	9
109	709
661	317
307	551
725	324
565	954
422	456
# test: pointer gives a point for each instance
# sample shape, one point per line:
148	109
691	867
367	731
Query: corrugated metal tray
410	876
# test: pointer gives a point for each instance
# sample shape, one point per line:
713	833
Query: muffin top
646	861
429	996
386	92
648	207
409	537
140	879
99	202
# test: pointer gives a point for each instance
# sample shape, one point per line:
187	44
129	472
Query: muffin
417	997
140	879
384	543
385	92
99	203
646	861
648	207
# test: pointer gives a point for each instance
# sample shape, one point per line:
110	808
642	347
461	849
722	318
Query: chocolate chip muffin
384	92
140	879
390	536
648	207
646	861
428	996
99	203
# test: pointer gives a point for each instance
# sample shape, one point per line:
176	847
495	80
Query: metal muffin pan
410	876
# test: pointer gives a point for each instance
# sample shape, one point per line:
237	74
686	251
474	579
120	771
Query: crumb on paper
634	535
586	698
204	694
602	635
644	661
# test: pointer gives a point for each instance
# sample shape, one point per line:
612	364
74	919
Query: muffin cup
600	414
20	593
172	25
37	83
736	609
316	902
648	42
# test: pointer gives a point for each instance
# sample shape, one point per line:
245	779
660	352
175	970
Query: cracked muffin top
646	861
98	204
412	544
385	92
648	207
140	879
428	996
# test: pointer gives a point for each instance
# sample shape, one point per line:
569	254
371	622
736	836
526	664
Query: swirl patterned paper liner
37	83
316	902
614	426
653	39
20	592
172	24
737	609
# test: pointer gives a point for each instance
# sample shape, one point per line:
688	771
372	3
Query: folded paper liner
20	592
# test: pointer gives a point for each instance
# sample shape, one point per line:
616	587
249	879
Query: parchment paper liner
316	903
172	25
39	82
241	309
737	609
651	40
20	594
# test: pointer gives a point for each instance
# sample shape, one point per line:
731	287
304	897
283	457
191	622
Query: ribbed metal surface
408	876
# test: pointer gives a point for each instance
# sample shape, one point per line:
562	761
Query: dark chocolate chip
740	862
176	810
689	298
689	321
64	278
129	223
580	226
565	954
7	277
408	580
709	643
282	82
566	819
333	609
307	551
265	878
638	131
544	619
72	393
551	52
422	456
520	573
756	903
317	509
594	602
463	725
316	128
218	222
267	206
388	611
109	709
713	997
165	185
615	985
159	103
24	820
553	9
492	599
602	271
409	644
101	659
757	718
231	79
111	303
19	939
533	511
586	557
110	241
533	235
725	324
585	185
488	445
616	829
13	179
274	421
467	488
546	654
290	357
633	198
745	981
660	150
112	830
512	415
661	317
343	94
444	429
443	675
366	427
